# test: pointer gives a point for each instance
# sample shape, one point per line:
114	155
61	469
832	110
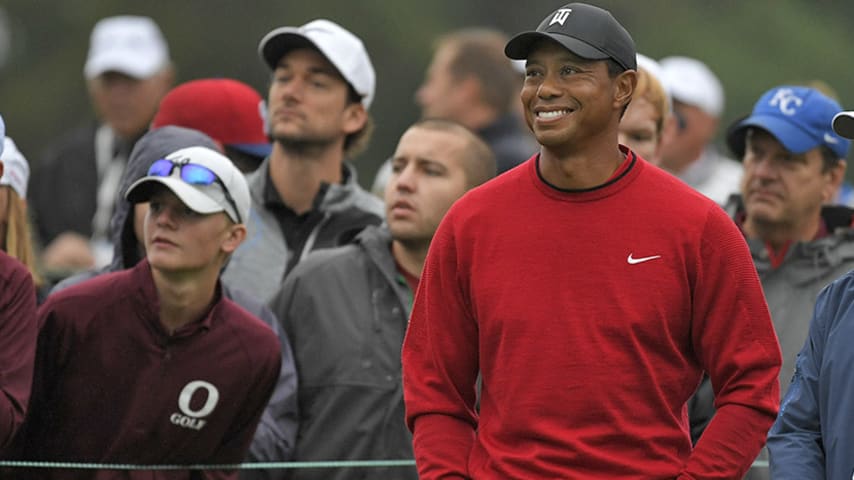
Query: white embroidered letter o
187	395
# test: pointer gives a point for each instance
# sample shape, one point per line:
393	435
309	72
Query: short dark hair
614	68
829	159
357	141
479	163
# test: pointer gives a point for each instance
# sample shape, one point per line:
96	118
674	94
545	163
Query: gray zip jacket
790	290
345	311
260	263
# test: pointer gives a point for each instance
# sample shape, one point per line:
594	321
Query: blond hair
19	242
650	89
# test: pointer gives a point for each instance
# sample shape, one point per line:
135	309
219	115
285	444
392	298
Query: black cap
587	31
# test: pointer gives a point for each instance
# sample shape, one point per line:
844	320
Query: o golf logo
560	16
190	418
786	100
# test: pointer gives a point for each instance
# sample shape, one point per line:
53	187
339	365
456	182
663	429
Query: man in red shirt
590	291
152	365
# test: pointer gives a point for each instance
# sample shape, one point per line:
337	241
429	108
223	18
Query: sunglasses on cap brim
194	174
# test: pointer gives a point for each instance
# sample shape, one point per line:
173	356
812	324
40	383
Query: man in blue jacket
812	437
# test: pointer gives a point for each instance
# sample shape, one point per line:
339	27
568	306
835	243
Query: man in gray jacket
347	345
305	195
793	166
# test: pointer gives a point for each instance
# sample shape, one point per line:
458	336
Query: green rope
238	466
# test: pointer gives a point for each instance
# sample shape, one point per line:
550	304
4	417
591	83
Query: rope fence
237	466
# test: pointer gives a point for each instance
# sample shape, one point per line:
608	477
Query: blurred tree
750	45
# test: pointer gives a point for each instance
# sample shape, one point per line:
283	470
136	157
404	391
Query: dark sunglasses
193	174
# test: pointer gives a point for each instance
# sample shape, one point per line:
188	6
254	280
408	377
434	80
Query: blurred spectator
793	164
227	110
472	82
812	435
305	195
688	150
845	193
643	122
347	344
17	334
127	72
16	238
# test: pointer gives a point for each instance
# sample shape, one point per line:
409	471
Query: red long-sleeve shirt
591	316
17	344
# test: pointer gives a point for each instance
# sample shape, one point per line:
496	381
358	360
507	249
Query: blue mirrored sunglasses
193	174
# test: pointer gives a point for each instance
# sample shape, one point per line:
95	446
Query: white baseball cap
126	44
690	81
230	194
654	69
343	49
16	169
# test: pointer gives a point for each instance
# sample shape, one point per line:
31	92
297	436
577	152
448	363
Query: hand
69	252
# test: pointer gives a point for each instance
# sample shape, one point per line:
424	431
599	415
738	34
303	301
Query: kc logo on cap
787	101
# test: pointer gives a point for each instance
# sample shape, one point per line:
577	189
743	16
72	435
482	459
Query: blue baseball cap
800	118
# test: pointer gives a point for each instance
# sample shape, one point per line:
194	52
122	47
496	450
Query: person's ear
355	118
235	235
835	177
625	84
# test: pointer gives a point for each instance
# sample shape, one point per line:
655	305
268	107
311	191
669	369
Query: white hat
130	45
16	170
690	81
203	199
343	49
654	69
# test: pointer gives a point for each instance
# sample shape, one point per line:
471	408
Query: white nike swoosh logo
828	138
635	261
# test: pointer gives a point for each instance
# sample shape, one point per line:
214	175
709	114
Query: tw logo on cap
560	16
786	100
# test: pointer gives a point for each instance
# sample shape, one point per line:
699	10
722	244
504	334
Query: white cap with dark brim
204	199
131	45
340	46
16	169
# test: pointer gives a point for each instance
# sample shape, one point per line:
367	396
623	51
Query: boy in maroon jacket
151	365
